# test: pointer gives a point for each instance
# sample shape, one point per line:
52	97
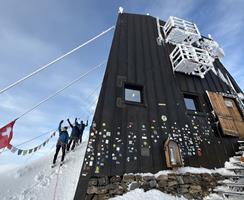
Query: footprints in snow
42	179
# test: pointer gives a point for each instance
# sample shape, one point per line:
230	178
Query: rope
30	140
56	185
93	103
59	91
93	92
88	97
54	61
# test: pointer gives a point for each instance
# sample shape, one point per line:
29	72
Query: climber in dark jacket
82	128
62	142
74	134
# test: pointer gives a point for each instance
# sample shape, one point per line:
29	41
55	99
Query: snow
194	170
37	180
151	194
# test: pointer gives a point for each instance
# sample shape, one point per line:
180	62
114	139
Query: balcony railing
212	47
177	31
191	60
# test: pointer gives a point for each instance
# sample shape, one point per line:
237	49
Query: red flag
6	134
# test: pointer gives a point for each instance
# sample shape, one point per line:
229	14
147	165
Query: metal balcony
177	31
212	47
191	60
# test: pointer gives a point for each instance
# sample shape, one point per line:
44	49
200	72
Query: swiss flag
6	134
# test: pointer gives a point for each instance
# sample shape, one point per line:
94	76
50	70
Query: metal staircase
233	186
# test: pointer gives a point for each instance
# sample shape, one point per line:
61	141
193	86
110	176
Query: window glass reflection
133	95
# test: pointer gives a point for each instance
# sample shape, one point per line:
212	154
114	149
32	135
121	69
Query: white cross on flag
6	134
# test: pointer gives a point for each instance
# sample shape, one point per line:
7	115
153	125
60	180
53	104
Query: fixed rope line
59	91
93	103
54	61
54	130
56	184
88	97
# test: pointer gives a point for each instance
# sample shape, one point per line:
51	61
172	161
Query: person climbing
82	127
74	134
62	142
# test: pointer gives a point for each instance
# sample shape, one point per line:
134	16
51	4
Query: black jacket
82	126
75	129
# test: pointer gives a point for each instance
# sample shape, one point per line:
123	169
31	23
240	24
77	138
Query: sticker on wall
97	170
145	151
164	118
199	152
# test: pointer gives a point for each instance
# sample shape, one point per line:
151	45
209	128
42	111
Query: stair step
239	164
233	176
239	185
236	169
236	157
241	147
239	152
228	193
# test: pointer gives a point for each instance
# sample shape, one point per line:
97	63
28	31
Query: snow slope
37	180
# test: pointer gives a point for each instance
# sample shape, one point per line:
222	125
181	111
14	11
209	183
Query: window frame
134	87
225	97
196	101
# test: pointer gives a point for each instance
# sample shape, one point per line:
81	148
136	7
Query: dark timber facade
129	129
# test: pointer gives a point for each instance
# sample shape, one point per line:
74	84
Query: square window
191	102
133	93
228	103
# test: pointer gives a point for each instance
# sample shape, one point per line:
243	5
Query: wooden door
236	115
228	113
172	154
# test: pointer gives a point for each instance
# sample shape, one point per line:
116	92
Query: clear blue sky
33	33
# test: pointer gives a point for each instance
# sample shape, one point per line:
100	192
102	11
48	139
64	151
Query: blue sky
32	33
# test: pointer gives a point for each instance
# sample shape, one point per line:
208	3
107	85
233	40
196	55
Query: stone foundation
191	186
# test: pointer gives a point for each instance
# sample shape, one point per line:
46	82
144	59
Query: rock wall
191	186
